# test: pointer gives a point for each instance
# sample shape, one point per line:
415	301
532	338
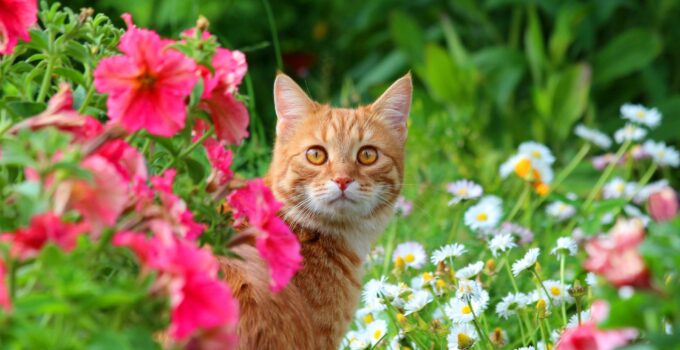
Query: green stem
647	176
86	100
275	34
540	326
540	283
190	149
389	247
605	175
519	202
565	172
564	305
512	277
475	321
453	235
47	78
521	329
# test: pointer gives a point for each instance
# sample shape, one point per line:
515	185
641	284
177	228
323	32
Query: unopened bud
663	205
491	265
497	337
85	13
399	263
541	308
577	291
202	23
464	342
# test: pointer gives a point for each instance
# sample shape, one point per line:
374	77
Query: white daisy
525	235
470	271
597	137
565	245
463	334
448	251
375	331
641	115
618	188
537	152
541	168
508	167
527	262
591	279
629	132
501	242
395	293
643	194
573	320
526	348
558	292
423	280
372	292
560	211
509	305
418	300
356	340
460	311
484	215
469	289
462	190
411	254
662	154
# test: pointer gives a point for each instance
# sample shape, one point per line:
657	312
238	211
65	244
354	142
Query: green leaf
569	98
627	53
407	35
23	109
71	74
195	169
447	81
534	46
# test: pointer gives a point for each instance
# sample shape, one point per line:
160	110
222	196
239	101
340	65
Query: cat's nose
343	182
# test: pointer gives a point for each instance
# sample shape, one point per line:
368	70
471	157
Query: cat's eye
316	155
367	155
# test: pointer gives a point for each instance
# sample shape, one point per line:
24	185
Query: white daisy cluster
594	136
662	154
618	188
630	132
639	114
410	255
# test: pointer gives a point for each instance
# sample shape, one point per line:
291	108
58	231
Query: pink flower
220	159
588	337
615	256
5	301
274	240
148	85
16	16
177	214
47	227
199	301
126	159
403	206
229	115
102	199
663	205
60	114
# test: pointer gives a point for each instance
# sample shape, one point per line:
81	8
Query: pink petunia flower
199	300
588	337
126	159
148	85
60	114
43	228
229	115
16	16
663	205
616	257
220	159
5	301
176	211
103	198
275	242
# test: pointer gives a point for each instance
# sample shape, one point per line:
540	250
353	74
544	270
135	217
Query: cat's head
339	169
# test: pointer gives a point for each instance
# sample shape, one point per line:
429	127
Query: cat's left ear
395	103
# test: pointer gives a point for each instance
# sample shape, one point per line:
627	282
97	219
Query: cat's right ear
291	103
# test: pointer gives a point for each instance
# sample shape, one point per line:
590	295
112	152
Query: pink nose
343	182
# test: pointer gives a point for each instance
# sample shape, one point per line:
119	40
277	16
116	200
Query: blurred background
489	74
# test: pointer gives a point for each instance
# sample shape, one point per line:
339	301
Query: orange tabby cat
337	172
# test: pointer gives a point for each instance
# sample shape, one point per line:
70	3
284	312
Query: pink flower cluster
273	239
150	83
587	336
16	16
615	255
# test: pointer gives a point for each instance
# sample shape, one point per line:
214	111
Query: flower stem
521	329
605	175
475	321
189	149
540	283
47	78
389	247
519	202
512	278
565	172
275	34
564	306
86	100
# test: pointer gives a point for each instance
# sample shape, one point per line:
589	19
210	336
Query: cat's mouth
342	198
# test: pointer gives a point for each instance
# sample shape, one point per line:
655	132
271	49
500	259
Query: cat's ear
291	103
395	103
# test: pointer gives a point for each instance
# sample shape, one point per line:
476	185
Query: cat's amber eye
316	155
367	155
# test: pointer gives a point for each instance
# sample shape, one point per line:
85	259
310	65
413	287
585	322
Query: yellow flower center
401	318
377	334
462	192
661	154
555	291
466	310
441	283
368	318
464	341
427	277
536	154
482	217
523	167
409	258
640	114
399	262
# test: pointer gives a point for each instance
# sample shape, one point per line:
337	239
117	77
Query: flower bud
202	23
491	265
399	263
464	342
663	205
498	338
85	13
541	308
577	291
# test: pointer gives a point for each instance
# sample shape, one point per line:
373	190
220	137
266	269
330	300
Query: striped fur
314	311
